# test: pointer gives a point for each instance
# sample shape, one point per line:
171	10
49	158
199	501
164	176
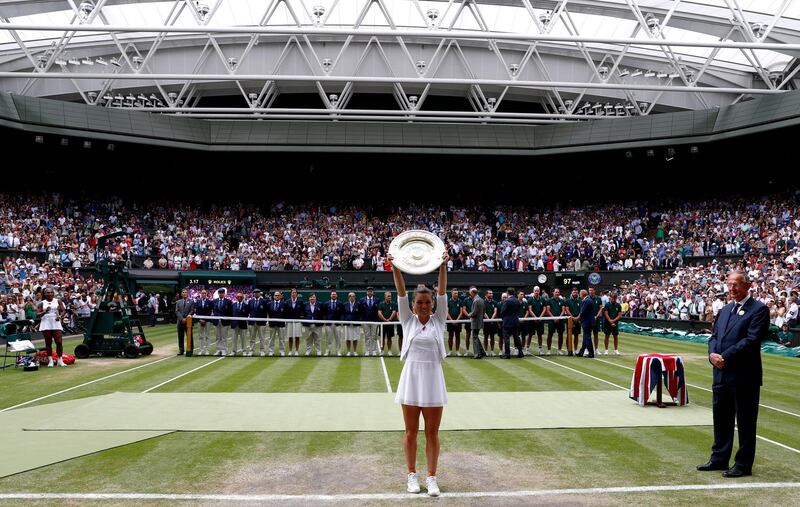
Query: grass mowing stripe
182	375
370	376
347	376
320	378
293	378
582	373
566	381
86	384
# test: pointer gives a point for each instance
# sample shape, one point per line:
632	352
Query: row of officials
205	308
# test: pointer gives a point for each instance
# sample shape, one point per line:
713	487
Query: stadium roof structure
454	61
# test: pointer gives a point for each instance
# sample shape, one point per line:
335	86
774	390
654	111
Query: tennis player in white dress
50	310
421	389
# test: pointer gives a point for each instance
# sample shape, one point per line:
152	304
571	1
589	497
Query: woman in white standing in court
51	310
421	388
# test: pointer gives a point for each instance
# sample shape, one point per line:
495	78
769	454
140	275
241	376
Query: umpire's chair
17	343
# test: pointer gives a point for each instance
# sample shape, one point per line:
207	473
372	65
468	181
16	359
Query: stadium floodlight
137	61
115	62
650	73
73	61
603	71
85	9
61	62
652	23
412	100
327	64
513	68
545	17
421	66
87	61
101	61
662	75
624	72
433	16
318	11
636	73
202	10
759	29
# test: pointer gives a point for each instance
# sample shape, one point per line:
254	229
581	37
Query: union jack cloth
650	369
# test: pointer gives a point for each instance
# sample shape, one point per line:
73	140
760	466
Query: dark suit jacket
351	314
588	312
509	312
203	306
312	315
738	338
369	313
223	307
257	308
332	310
240	310
294	313
277	310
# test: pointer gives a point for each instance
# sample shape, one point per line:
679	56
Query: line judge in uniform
421	388
734	350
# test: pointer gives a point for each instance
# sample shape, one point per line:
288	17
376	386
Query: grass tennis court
258	463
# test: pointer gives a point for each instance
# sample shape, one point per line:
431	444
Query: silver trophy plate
417	252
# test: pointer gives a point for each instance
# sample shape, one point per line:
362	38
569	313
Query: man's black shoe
180	353
708	467
736	471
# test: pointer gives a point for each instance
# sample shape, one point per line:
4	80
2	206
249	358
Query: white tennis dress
50	320
422	380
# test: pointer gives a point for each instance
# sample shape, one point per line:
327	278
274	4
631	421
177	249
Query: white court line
183	374
86	383
386	375
627	389
397	496
581	372
383	363
704	389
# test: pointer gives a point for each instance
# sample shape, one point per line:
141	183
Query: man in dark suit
734	350
240	310
332	310
476	320
223	307
277	310
294	310
257	308
183	308
587	317
509	312
202	308
312	311
350	315
369	313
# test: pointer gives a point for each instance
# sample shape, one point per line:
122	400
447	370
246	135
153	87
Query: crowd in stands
698	292
22	284
283	236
